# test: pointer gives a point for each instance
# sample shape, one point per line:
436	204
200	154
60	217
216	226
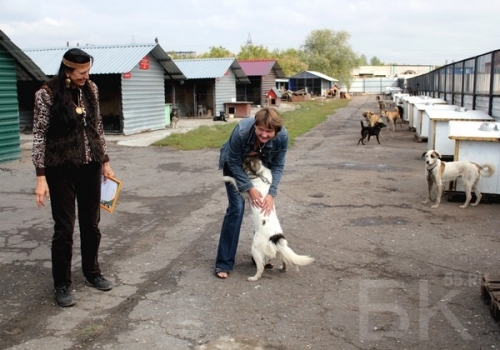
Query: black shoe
99	282
64	297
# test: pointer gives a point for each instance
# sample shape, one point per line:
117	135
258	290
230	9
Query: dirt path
390	273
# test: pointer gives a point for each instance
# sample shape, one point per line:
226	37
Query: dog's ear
438	155
423	154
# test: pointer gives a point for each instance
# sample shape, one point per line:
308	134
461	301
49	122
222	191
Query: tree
291	61
217	52
374	61
330	53
362	60
249	52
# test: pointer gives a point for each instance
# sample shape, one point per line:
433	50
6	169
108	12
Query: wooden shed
262	75
209	85
131	81
15	69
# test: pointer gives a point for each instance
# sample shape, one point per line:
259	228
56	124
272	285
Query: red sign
127	75
144	63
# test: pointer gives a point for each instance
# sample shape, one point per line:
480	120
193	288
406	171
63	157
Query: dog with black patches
438	172
368	131
268	239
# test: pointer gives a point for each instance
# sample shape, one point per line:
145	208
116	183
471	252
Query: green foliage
375	61
291	61
362	60
253	52
217	52
306	116
330	53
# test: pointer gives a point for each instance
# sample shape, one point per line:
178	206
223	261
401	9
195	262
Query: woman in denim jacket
265	136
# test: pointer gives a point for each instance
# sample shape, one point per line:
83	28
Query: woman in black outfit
70	156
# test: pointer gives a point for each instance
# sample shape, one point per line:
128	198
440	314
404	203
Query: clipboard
110	189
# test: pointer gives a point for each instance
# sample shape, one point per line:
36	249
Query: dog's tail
487	170
288	255
231	180
401	111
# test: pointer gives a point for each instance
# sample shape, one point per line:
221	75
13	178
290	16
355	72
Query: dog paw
253	279
425	202
435	206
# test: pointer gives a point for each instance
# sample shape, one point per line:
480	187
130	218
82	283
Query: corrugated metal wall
225	90
143	99
10	144
268	82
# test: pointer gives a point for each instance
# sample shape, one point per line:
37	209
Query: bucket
233	99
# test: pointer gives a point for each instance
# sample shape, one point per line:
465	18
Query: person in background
265	136
70	155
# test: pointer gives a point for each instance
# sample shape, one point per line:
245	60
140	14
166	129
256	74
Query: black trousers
68	186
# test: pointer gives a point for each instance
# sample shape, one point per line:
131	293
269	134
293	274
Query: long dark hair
63	107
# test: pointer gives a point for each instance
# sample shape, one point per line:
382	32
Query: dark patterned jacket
56	143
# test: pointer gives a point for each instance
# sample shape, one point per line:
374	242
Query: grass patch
299	121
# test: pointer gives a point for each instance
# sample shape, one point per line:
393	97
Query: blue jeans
230	232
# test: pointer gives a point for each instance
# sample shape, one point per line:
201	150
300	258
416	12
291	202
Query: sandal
221	273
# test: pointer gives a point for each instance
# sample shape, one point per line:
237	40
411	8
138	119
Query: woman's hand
107	171
41	191
255	197
266	204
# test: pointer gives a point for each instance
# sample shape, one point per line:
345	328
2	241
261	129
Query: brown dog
371	118
393	117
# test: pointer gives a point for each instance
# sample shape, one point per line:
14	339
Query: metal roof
312	74
25	67
108	59
211	68
261	67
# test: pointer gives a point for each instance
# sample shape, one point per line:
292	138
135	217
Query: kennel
478	141
398	98
439	129
410	110
422	120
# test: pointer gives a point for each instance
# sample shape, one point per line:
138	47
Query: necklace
78	109
259	146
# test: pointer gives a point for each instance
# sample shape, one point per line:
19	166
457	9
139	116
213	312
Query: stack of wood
490	294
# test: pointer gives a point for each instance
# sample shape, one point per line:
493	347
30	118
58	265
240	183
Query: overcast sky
413	32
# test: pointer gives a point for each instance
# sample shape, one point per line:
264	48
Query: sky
409	32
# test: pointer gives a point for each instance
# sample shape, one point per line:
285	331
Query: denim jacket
241	143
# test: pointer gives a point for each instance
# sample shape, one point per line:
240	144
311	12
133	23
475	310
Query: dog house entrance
230	110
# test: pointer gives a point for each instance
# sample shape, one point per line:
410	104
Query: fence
372	85
473	83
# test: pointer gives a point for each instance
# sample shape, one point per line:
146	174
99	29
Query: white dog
438	172
268	240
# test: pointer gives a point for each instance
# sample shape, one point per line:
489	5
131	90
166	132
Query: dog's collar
429	171
262	177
